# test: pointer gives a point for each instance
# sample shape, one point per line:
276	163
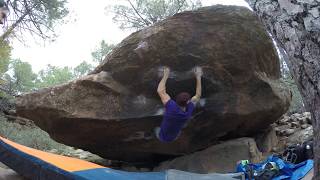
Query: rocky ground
294	129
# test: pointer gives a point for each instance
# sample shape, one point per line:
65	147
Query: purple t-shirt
174	119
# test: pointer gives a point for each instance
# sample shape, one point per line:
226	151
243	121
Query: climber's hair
183	98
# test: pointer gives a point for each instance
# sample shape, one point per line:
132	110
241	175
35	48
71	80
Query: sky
88	24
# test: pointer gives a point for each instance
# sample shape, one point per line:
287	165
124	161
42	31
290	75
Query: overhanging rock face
109	111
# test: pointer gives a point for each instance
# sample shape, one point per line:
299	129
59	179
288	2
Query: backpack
298	153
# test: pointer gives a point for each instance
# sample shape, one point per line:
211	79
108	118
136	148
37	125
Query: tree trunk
295	25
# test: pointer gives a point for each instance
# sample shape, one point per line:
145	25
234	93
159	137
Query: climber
177	112
3	11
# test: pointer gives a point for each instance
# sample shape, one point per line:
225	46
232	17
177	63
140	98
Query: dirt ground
8	174
309	176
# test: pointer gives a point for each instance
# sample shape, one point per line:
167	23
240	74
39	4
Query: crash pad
39	165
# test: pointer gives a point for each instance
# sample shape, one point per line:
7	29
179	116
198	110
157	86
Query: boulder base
221	158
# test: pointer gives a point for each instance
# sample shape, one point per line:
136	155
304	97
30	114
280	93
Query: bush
29	136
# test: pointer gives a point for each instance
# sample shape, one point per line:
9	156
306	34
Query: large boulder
113	111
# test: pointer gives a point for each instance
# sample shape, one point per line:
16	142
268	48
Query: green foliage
50	10
82	69
34	137
5	52
53	75
138	14
99	54
29	136
23	77
19	78
34	16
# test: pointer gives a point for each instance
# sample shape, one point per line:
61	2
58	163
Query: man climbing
177	112
3	11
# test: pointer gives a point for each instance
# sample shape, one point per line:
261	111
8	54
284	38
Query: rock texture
113	111
221	158
295	26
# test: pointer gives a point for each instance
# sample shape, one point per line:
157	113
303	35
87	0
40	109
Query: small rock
310	2
304	126
145	170
71	149
78	151
54	151
288	132
303	120
130	168
300	136
314	12
307	114
296	115
284	121
12	112
275	149
295	124
84	156
308	117
283	127
290	8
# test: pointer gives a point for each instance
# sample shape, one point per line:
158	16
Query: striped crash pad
39	165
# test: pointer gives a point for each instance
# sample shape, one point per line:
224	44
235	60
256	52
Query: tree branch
137	12
5	35
180	5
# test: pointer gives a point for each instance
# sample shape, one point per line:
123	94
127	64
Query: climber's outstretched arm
198	74
162	86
